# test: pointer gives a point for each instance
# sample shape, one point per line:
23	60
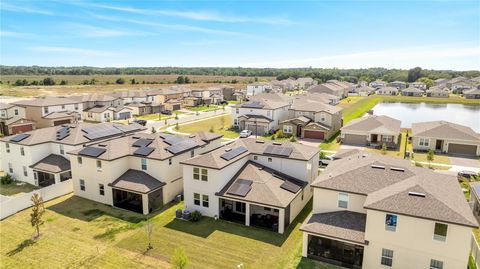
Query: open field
79	233
219	125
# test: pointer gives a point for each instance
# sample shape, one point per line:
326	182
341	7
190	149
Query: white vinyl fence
475	250
14	204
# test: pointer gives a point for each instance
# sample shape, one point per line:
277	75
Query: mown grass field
218	125
79	233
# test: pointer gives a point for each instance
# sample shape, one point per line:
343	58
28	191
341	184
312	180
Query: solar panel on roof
254	104
181	146
241	187
100	131
278	150
174	139
142	142
290	186
143	151
91	151
61	136
227	156
19	137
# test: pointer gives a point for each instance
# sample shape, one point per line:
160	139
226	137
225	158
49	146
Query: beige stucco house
438	91
472	94
387	91
13	121
372	130
412	92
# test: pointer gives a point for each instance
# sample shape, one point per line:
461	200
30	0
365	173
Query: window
391	222
235	122
255	157
170	161
434	264
192	153
7	147
76	107
204	174
25	173
63	106
269	160
205	200
144	164
196	199
45	110
82	185
287	129
101	189
387	138
16	112
99	165
196	173
62	151
10	168
266	208
440	232
237	110
343	200
240	207
424	142
387	257
268	113
22	151
79	160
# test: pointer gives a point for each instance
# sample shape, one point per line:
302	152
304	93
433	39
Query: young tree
149	231
384	149
176	115
179	259
154	130
37	212
430	156
177	127
211	129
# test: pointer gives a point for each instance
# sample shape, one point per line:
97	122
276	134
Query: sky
280	34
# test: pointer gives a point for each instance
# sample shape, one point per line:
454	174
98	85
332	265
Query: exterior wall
10	112
433	141
327	201
413	244
98	117
256	89
37	113
294	168
276	115
299	202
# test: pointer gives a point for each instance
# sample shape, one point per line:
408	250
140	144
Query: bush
293	138
273	137
195	216
6	179
281	134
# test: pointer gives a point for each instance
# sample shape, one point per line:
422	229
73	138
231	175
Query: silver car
245	133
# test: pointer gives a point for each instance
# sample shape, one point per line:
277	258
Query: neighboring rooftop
374	124
444	130
52	164
137	181
46	101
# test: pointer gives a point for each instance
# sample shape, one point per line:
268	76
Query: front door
438	145
374	138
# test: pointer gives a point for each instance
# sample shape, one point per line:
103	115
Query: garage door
355	139
176	107
21	129
124	116
462	149
314	134
256	129
60	122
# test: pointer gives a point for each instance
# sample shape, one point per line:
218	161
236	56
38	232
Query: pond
410	113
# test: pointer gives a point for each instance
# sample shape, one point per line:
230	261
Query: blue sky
343	34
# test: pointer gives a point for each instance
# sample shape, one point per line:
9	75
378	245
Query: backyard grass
154	117
219	125
79	233
205	108
15	188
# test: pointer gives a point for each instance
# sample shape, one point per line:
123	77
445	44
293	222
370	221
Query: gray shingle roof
377	124
445	130
52	163
46	101
137	181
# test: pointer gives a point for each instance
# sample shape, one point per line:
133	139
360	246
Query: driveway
463	161
310	142
343	146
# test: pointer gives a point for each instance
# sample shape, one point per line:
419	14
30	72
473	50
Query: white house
256	183
258	87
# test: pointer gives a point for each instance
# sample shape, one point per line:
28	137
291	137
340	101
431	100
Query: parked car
166	112
245	133
223	102
141	122
467	174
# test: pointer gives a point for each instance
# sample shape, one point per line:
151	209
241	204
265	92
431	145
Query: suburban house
139	102
209	96
308	118
39	157
320	97
441	82
253	182
262	114
372	131
400	85
459	85
373	211
412	92
387	91
258	87
51	111
472	94
103	108
445	137
284	85
438	91
142	175
333	87
228	93
13	121
362	83
305	82
419	85
362	91
377	84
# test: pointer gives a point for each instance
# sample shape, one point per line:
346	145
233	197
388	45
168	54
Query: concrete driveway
464	161
310	142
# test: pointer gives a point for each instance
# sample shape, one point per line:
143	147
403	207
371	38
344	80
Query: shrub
273	137
6	179
280	134
293	138
195	216
179	259
211	129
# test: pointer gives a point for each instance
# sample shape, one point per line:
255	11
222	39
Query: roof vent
398	169
378	166
228	149
277	143
260	141
416	194
364	155
102	145
136	137
191	136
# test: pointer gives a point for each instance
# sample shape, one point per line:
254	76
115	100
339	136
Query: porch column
57	178
145	203
305	245
281	221
247	214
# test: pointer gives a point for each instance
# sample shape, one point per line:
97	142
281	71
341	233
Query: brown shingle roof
378	124
52	163
137	181
46	101
445	130
6	106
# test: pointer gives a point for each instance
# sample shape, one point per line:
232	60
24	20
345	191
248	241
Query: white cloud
68	50
95	31
203	42
15	34
24	9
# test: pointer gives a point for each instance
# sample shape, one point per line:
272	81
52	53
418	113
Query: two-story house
400	85
258	87
51	111
253	182
40	157
378	84
13	120
419	85
103	108
372	211
142	174
308	118
262	114
333	87
459	85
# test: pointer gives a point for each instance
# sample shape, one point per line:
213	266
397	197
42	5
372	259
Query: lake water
410	113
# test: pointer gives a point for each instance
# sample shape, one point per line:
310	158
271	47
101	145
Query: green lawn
16	188
205	108
154	117
219	125
79	233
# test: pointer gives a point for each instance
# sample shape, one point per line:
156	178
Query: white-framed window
76	106
196	173
10	168
192	153
440	232
204	174
387	138
269	160
205	200
255	157
16	112
63	106
424	142
62	151
45	110
7	147
25	172
170	161
3	113
144	164
269	113
237	110
99	165
22	151
288	129
82	185
387	257
343	200
235	122
391	222
79	160
435	264
101	189
196	198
